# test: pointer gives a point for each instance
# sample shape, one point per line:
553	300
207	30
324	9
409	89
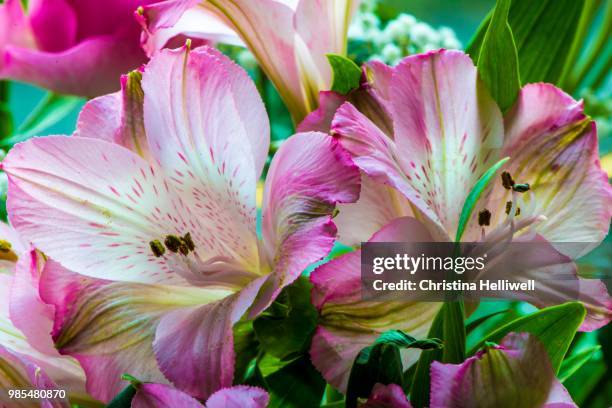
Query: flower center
174	244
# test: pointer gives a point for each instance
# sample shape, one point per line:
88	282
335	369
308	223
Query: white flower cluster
370	39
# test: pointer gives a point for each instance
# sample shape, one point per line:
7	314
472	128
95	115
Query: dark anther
172	243
157	248
183	249
188	242
520	188
509	208
484	217
507	180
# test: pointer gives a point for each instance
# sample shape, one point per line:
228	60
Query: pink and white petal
214	152
448	130
347	323
95	207
378	157
378	205
64	371
267	29
553	147
195	23
321	28
18	372
309	175
387	396
239	396
28	312
117	117
151	395
8	234
194	346
108	326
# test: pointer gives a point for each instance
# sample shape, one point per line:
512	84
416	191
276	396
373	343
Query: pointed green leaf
573	363
543	32
124	398
296	385
498	60
346	74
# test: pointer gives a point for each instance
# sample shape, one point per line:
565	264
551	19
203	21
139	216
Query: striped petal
553	147
347	323
18	372
151	395
516	373
309	175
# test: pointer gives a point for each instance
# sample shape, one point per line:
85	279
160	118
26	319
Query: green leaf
403	340
298	384
573	363
498	60
50	110
554	326
246	348
474	196
293	315
469	327
419	390
453	331
124	398
380	363
346	74
543	32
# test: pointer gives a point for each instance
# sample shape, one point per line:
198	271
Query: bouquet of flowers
201	237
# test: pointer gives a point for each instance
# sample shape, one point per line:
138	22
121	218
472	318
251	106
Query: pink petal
518	370
309	175
108	327
553	147
387	396
95	207
195	346
78	48
320	119
117	117
378	205
239	396
193	23
347	323
162	396
175	84
28	312
25	374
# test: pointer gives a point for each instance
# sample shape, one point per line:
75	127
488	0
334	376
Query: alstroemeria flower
438	133
517	373
289	38
28	360
153	200
151	395
75	47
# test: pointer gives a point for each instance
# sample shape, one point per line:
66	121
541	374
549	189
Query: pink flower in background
433	134
516	373
289	38
386	396
28	360
164	396
78	47
152	205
